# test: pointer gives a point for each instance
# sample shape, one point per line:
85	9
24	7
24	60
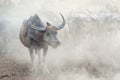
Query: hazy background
90	41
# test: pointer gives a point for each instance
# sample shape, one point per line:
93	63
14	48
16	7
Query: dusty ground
11	69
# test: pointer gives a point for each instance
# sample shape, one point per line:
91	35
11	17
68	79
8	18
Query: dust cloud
90	41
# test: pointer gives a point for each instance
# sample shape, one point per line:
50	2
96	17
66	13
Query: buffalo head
48	32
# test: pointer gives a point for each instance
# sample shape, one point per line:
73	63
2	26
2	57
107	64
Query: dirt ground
11	69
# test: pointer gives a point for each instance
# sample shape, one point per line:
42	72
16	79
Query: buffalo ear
48	24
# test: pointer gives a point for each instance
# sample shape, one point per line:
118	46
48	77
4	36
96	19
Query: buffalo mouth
54	45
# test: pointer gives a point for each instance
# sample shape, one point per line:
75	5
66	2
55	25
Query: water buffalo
36	36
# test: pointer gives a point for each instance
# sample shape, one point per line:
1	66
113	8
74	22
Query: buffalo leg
32	59
44	59
37	51
39	58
